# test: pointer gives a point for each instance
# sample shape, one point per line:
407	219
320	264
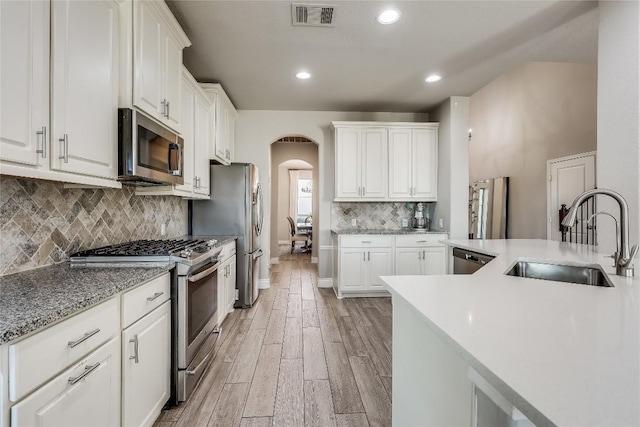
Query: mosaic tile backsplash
42	223
384	216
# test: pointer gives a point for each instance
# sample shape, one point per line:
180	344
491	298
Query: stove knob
211	243
186	253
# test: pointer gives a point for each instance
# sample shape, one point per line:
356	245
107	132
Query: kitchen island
561	353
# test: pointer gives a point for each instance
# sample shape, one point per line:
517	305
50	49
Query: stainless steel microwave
148	153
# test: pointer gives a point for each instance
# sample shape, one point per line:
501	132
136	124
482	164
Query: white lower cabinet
226	281
146	367
87	394
420	254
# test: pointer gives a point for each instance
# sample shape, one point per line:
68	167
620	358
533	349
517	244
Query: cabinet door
203	136
222	289
172	78
348	163
434	260
222	122
148	64
84	91
425	164
374	163
24	81
146	367
187	104
94	399
408	261
231	135
379	263
400	164
352	274
231	284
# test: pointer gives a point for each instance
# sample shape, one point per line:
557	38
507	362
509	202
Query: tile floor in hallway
299	357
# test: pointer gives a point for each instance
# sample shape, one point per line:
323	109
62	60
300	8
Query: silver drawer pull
421	241
43	150
87	370
155	296
85	337
366	241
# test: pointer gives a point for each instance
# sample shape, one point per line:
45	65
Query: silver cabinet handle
164	108
87	370
167	104
364	191
43	142
364	256
155	296
423	255
135	357
366	241
368	256
85	337
205	273
421	241
65	148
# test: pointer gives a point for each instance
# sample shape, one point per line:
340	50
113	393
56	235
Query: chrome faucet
623	256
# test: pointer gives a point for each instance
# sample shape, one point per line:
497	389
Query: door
408	261
568	177
146	367
348	163
352	274
84	91
187	101
90	390
379	263
148	65
171	80
400	163
374	163
24	81
425	164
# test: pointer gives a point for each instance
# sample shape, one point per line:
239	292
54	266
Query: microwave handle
176	171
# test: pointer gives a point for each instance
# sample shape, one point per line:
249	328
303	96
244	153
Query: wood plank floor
298	357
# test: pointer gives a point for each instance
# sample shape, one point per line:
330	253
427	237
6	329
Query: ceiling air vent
313	15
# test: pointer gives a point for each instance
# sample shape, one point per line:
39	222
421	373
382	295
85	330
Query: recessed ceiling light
303	75
388	16
433	78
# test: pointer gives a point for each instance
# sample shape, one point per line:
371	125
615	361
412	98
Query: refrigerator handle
257	254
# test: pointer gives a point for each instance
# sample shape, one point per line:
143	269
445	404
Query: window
305	204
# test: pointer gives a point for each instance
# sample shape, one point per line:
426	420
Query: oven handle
202	274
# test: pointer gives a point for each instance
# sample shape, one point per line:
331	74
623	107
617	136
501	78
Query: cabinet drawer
419	240
141	300
39	357
366	241
227	251
92	399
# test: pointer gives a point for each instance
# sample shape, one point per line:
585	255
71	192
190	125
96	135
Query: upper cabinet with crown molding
225	114
59	90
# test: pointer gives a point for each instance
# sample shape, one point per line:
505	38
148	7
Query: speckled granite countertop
32	299
381	231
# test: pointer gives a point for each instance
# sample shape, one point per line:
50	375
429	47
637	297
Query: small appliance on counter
420	220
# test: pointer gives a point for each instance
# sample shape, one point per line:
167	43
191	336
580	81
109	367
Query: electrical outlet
405	222
163	229
354	222
440	222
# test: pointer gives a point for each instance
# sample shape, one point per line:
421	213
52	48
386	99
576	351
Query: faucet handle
626	262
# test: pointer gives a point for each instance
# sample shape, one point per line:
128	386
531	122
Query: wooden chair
296	236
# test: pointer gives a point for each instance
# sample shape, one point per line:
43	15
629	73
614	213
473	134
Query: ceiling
254	51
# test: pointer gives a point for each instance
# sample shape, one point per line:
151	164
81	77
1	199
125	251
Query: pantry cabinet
70	136
221	150
361	163
413	163
157	66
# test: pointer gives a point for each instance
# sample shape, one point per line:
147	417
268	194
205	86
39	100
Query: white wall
618	161
453	166
257	129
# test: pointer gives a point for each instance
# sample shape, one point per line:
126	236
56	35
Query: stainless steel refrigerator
235	209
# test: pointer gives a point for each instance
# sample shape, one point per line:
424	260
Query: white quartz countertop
564	354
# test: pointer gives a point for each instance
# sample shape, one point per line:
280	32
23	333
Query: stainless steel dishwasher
468	262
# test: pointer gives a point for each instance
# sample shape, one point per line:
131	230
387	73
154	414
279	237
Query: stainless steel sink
586	274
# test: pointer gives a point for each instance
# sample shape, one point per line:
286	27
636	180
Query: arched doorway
294	162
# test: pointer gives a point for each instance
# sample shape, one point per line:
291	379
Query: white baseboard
274	261
325	282
264	284
314	260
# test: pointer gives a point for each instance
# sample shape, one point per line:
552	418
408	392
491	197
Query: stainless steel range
194	297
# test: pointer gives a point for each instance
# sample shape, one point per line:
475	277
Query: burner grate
143	248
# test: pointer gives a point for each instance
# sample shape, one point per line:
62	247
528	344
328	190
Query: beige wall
535	112
280	152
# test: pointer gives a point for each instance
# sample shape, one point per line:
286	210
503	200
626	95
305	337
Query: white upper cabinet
24	81
84	87
68	49
158	42
413	163
221	150
203	132
361	163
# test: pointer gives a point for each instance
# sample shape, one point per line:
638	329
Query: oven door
197	310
